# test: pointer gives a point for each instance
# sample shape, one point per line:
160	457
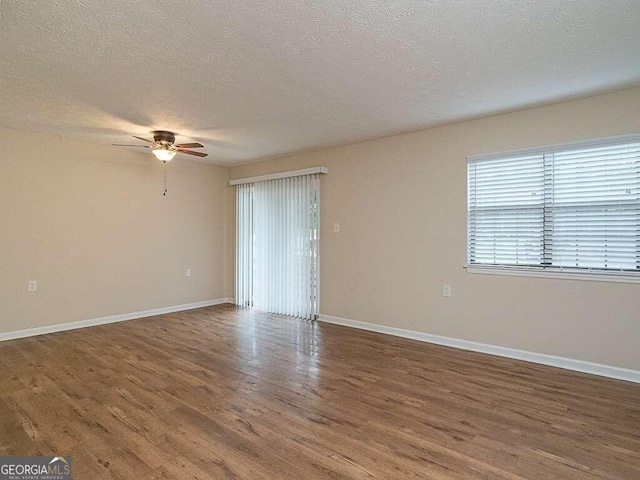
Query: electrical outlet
188	272
336	227
446	290
32	286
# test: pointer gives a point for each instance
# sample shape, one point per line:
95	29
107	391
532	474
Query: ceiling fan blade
143	139
191	152
190	145
126	145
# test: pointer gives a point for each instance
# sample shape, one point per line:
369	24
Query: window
571	208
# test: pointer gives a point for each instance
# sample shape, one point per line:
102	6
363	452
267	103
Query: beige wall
401	204
90	224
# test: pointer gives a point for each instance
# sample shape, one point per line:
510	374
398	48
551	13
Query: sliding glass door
277	245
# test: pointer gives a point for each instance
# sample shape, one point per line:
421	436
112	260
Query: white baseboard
30	332
541	358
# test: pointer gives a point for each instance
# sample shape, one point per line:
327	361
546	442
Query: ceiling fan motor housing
163	137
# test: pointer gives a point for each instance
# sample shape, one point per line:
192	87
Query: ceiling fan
163	146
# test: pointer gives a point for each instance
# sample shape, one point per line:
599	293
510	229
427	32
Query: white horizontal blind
572	208
594	220
506	211
277	257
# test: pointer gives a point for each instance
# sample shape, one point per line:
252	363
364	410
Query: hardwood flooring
229	393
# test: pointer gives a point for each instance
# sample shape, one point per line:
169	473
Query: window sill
571	275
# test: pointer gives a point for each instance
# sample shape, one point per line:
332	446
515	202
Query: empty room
338	239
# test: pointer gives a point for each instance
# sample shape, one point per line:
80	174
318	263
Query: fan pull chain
165	179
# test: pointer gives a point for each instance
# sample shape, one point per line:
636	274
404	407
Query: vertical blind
277	245
561	208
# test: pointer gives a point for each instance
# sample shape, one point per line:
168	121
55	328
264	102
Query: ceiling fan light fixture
163	154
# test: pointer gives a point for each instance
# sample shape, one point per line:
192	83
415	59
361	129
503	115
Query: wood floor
228	393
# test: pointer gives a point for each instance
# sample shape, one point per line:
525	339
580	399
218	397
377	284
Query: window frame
547	271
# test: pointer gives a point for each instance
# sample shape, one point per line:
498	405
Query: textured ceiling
253	79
